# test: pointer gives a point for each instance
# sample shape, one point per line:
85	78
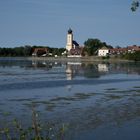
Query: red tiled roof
76	51
136	48
124	50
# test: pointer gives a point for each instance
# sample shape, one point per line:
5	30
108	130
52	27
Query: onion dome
70	31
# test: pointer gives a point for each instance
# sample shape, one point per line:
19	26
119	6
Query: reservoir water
95	101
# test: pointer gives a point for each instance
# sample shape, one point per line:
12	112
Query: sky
45	22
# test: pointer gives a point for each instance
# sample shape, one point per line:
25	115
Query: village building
129	49
118	51
40	52
133	48
72	47
104	51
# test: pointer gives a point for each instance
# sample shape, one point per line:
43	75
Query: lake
94	101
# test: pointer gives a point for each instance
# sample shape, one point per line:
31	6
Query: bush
133	56
105	57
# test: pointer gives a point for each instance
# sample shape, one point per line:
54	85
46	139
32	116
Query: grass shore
70	59
79	59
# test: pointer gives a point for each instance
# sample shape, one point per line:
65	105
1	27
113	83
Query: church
72	47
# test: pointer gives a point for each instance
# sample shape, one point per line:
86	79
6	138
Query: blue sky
45	22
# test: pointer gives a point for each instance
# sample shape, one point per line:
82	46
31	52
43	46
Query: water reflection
41	65
89	70
72	92
72	69
103	67
75	69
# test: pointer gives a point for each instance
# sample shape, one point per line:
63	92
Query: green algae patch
63	99
136	87
50	107
114	97
111	89
82	96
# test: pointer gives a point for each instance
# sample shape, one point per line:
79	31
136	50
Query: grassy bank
80	59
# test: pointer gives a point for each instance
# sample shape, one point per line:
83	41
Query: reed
16	131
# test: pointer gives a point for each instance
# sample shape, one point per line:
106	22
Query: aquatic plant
37	131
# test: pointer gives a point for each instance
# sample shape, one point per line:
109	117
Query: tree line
17	51
27	50
91	47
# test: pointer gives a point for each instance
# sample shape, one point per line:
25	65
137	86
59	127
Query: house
117	51
40	52
129	49
104	51
132	49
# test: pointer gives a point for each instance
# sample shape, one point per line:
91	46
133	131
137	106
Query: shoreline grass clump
36	131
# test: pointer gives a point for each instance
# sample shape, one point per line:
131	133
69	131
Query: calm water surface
98	101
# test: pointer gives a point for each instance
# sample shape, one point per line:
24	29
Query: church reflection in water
72	69
78	70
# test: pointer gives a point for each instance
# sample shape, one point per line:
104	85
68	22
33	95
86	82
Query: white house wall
103	52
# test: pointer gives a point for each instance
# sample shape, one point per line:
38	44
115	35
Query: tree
133	56
57	51
118	47
92	45
27	51
135	5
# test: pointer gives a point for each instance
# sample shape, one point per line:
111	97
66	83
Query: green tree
133	56
27	51
92	46
135	5
57	51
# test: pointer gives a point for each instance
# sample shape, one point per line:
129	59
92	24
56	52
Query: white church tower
69	44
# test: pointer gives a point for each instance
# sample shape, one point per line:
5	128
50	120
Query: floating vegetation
50	107
80	96
76	97
51	104
6	113
114	96
111	89
136	87
42	102
22	100
123	91
63	99
84	95
30	104
138	91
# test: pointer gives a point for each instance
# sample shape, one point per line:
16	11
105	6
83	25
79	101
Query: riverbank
69	59
78	59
